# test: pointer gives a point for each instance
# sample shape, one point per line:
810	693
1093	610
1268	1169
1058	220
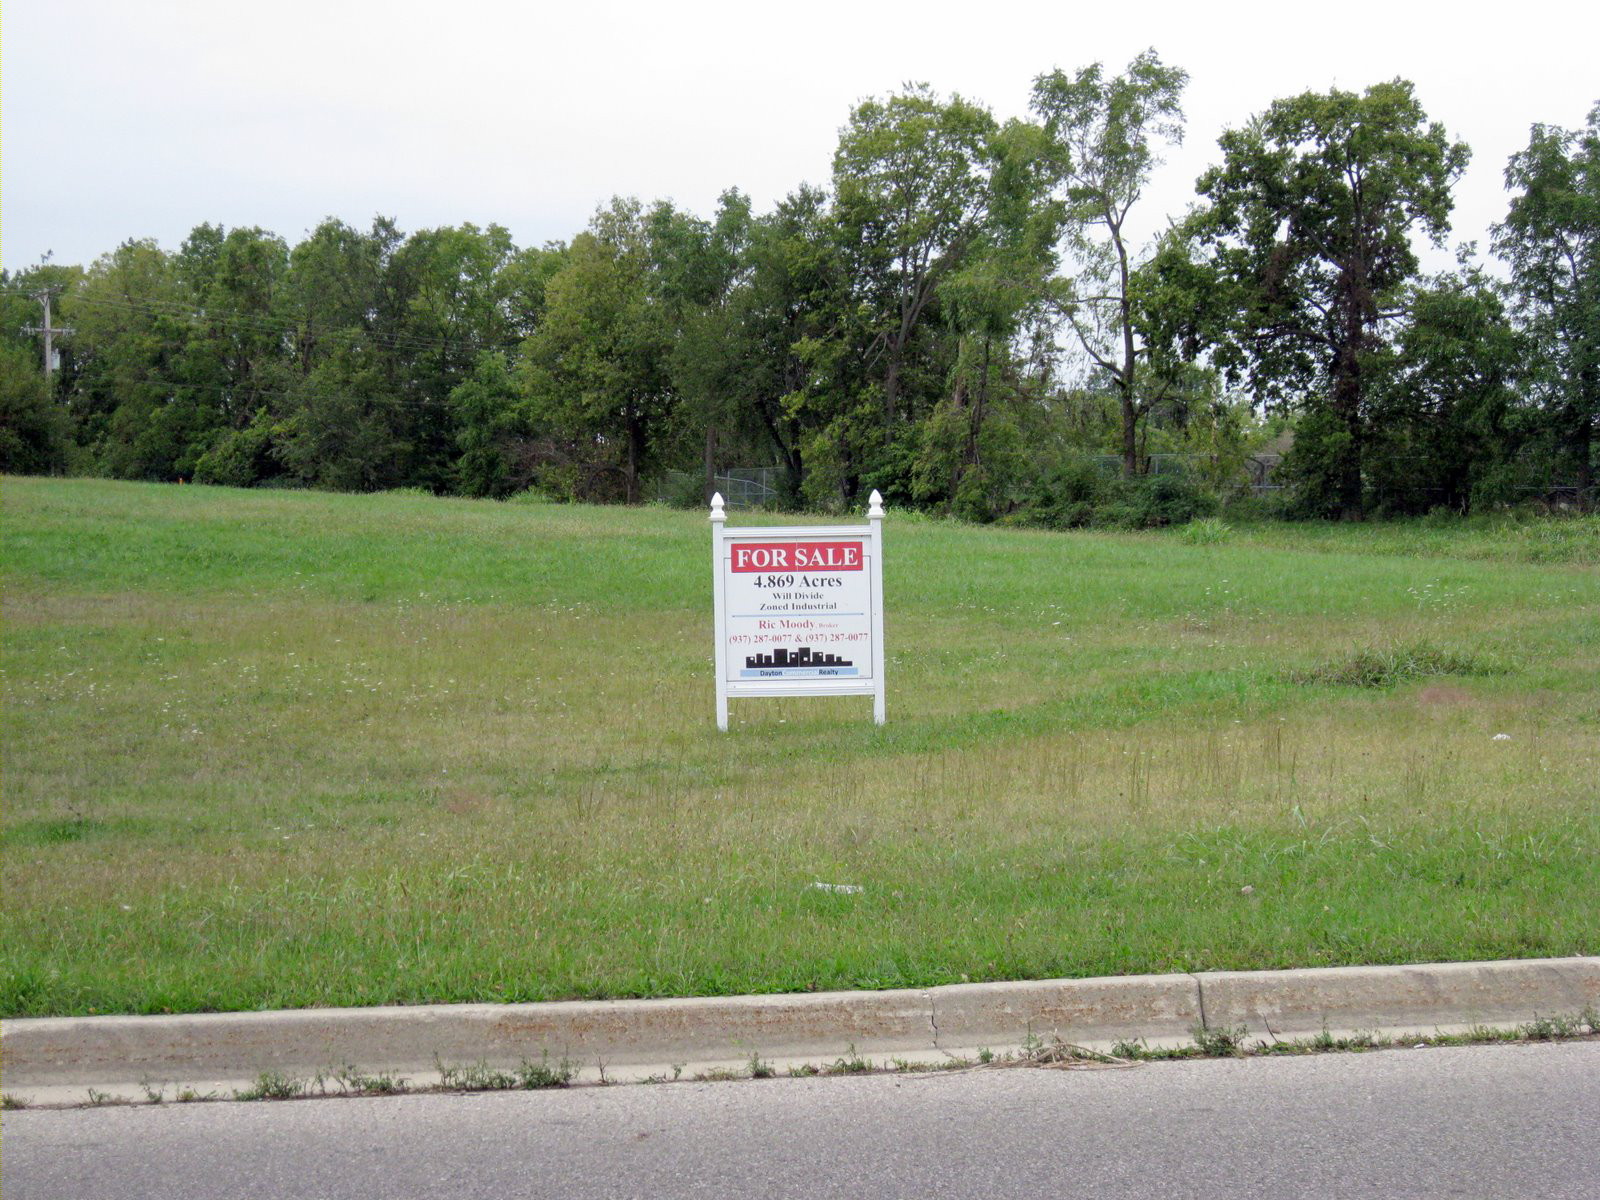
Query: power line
267	325
175	387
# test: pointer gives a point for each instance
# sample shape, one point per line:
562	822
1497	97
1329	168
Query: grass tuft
1385	667
1205	531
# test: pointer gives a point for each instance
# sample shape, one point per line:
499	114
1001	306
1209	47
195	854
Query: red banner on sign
796	556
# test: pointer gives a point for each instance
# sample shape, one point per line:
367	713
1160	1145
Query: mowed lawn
269	749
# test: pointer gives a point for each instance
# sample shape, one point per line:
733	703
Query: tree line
961	320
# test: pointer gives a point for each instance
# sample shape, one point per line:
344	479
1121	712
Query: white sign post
799	609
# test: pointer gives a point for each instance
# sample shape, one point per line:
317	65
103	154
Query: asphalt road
1492	1121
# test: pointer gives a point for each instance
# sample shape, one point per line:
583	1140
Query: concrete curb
1446	996
56	1059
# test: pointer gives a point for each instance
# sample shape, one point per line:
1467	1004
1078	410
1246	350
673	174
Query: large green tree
911	189
457	309
971	454
698	268
597	369
132	317
234	354
1307	237
338	286
1444	405
785	346
1107	132
495	428
346	428
1551	240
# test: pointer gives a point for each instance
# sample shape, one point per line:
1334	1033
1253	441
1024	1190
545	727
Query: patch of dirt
464	802
1442	695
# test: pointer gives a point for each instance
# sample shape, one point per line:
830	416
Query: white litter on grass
838	889
1501	737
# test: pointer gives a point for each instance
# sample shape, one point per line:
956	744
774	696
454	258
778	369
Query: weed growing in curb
851	1064
271	1085
1230	1042
475	1077
481	1077
1223	1042
357	1084
760	1069
1547	1029
1322	1042
7	1100
542	1075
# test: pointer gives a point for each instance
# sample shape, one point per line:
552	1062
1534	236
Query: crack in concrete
1199	998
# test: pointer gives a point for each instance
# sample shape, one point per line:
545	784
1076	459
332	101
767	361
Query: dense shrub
1311	467
35	432
1077	493
1069	494
1152	501
240	458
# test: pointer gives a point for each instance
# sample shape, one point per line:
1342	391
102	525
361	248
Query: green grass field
273	749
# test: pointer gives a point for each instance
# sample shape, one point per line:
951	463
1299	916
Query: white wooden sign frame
833	596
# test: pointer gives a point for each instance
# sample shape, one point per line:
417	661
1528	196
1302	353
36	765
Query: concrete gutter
58	1059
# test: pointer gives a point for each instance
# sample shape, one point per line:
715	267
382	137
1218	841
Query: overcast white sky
126	119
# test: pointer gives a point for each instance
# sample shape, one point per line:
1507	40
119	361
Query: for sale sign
798	611
797	556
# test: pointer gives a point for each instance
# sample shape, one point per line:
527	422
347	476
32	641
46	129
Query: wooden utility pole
50	333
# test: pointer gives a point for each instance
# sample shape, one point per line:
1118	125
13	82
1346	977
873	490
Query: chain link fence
1257	474
741	487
